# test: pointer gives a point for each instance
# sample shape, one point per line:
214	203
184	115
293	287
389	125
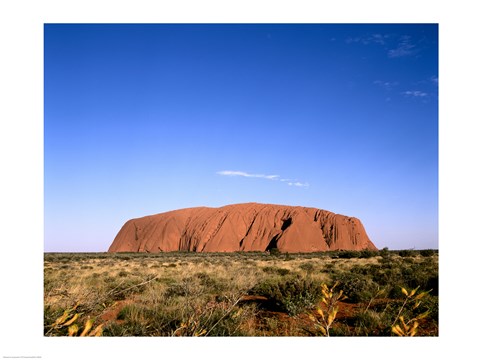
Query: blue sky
142	119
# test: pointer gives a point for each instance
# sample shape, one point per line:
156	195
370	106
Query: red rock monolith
243	227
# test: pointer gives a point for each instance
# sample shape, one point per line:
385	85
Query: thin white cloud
379	38
387	85
415	93
244	174
368	39
404	48
299	184
396	46
289	182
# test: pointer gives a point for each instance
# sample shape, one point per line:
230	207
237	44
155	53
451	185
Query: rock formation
242	227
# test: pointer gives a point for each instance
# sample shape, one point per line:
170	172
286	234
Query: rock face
242	227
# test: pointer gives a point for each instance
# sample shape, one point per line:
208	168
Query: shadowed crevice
273	243
286	224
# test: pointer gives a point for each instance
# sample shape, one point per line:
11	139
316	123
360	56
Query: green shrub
369	322
274	252
329	268
406	253
288	257
114	329
357	287
210	283
308	267
292	294
366	254
385	253
424	276
427	252
348	254
275	270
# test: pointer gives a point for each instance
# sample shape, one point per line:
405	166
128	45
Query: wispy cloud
368	39
289	182
387	85
396	46
244	174
415	93
405	47
299	184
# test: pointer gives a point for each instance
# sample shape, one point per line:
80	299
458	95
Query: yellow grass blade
200	333
71	321
323	331
397	330
62	318
330	319
413	330
423	315
72	330
421	295
97	331
88	326
405	291
320	312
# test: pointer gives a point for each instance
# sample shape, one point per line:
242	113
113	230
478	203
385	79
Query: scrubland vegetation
344	293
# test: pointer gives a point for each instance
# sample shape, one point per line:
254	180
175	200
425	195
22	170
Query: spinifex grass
234	294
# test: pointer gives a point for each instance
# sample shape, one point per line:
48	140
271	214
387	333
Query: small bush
357	287
308	267
406	253
329	268
211	283
384	253
348	254
427	252
369	322
292	294
367	254
275	270
274	252
114	329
